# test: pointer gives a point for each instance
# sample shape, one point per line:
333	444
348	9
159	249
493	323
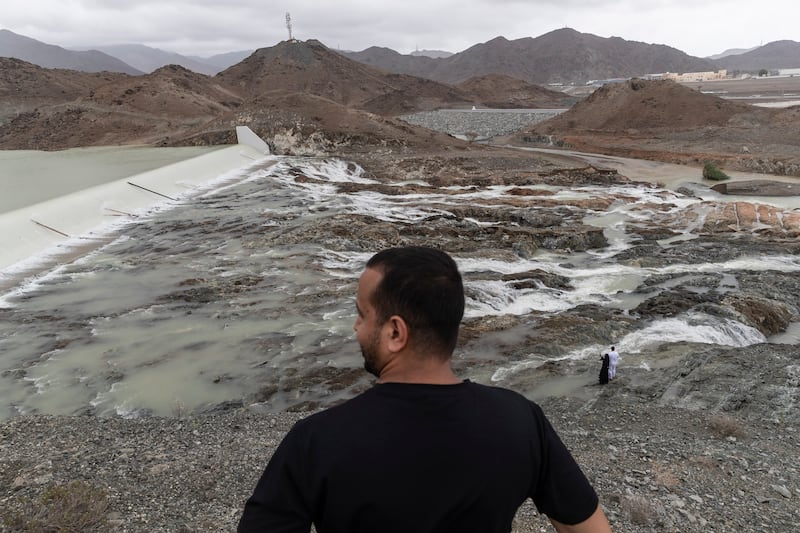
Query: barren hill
170	93
71	108
651	105
563	55
499	91
666	121
777	54
294	91
51	56
311	68
391	61
24	86
148	59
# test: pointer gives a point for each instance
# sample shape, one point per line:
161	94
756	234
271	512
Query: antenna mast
289	25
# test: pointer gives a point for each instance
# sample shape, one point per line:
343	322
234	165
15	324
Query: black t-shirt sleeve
561	491
278	504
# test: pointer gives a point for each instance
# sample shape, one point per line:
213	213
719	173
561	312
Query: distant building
789	72
600	83
694	76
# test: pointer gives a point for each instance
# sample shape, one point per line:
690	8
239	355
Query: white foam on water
299	337
90	216
691	327
790	336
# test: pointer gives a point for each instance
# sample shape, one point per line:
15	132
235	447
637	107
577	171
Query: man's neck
424	371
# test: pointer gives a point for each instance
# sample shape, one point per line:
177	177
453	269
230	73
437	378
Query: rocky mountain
436	54
730	52
51	56
504	92
777	54
391	61
640	104
294	88
223	61
561	56
147	59
312	69
24	86
64	108
667	121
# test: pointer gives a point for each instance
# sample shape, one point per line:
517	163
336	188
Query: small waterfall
692	327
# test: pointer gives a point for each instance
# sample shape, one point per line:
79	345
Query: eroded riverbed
245	294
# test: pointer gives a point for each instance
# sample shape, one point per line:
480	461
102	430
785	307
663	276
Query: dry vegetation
74	507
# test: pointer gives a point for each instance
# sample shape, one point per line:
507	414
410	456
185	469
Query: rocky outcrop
750	217
758	188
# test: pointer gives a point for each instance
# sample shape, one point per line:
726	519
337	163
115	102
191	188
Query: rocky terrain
690	437
705	440
306	99
560	56
298	90
666	121
706	445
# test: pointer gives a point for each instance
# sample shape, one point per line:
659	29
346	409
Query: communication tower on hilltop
289	25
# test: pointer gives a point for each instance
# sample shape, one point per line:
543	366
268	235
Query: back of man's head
423	286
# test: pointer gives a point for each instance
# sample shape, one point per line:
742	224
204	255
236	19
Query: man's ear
396	331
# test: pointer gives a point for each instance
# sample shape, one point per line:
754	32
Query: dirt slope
666	121
650	105
296	89
24	86
311	68
504	92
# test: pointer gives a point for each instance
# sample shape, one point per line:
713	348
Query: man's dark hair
423	286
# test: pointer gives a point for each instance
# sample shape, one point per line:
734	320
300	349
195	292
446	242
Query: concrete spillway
72	220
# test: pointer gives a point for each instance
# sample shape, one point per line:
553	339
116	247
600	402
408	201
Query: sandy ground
672	176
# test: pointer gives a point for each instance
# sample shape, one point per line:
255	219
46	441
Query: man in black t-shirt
421	451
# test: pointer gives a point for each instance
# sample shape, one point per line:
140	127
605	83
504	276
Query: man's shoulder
376	402
339	412
508	400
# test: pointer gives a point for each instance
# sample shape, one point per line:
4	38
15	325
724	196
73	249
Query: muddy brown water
213	302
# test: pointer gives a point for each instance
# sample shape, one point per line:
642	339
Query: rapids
245	294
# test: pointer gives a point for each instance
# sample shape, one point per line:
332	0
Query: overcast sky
206	27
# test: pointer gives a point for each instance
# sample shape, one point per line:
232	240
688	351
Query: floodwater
224	298
31	176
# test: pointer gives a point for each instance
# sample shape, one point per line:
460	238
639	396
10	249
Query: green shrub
711	172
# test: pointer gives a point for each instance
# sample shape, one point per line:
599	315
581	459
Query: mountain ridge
52	56
774	55
561	56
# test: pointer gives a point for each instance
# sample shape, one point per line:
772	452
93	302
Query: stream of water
207	301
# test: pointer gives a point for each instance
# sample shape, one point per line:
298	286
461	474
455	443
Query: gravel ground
655	468
483	123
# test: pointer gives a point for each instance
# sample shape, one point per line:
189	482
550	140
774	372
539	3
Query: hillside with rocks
560	56
313	69
301	96
690	449
504	92
295	89
24	86
774	55
691	437
666	121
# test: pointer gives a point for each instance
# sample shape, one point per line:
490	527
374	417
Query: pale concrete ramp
75	220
